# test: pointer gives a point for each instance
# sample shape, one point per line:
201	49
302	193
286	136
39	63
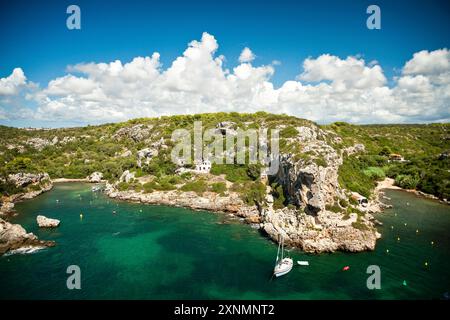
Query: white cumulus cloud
328	88
11	84
246	55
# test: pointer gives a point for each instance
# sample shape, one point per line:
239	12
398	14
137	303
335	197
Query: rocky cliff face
326	232
33	184
311	185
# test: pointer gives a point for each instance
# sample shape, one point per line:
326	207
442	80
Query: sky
312	59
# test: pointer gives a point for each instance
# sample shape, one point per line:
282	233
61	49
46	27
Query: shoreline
388	183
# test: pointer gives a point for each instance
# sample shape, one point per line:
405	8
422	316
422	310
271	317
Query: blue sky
34	36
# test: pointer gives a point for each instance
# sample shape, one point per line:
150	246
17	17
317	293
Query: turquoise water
175	253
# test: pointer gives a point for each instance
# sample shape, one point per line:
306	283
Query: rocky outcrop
95	177
326	232
126	176
137	133
145	155
32	184
22	179
14	236
44	222
357	148
311	184
38	143
207	201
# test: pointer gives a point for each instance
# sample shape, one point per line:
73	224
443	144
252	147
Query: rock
306	134
137	133
6	207
302	231
226	128
307	184
126	176
211	201
44	222
253	219
38	143
126	154
357	148
95	177
145	155
66	140
14	236
24	179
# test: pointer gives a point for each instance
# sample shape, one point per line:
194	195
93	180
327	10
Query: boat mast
282	247
278	252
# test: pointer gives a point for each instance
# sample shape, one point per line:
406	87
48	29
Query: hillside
308	199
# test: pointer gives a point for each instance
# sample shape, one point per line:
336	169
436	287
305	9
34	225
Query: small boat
303	263
282	264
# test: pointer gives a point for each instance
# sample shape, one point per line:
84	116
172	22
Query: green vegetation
219	187
424	148
79	152
279	200
352	177
252	192
198	186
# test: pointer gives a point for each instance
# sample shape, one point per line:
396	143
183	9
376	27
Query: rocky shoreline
13	237
326	232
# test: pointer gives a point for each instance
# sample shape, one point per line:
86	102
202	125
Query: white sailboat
283	264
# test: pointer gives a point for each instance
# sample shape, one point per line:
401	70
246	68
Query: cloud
349	73
246	55
329	88
428	63
11	84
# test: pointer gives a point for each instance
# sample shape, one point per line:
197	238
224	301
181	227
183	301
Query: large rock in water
45	222
14	236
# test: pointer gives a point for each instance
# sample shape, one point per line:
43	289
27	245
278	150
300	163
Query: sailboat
282	264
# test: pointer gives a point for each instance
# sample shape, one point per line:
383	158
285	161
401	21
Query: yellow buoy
406	224
417	231
387	250
426	264
392	227
432	242
81	216
398	238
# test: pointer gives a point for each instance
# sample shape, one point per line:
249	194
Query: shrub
198	187
278	196
123	186
288	132
219	187
254	193
374	173
343	203
333	208
407	181
148	187
320	162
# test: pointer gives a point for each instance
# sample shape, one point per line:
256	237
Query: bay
159	252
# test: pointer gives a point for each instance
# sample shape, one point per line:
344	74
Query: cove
158	252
